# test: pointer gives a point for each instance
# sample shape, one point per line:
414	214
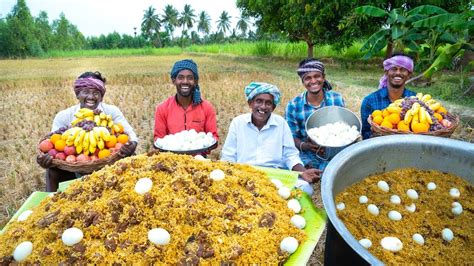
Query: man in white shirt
263	138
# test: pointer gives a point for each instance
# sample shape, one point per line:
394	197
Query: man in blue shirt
318	94
398	70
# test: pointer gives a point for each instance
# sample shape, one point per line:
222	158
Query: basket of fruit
418	114
91	142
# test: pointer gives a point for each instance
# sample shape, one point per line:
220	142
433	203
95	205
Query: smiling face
185	83
262	107
314	82
89	98
397	76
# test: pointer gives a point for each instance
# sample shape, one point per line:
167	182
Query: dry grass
33	91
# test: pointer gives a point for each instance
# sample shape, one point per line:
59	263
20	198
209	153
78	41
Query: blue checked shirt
377	100
298	111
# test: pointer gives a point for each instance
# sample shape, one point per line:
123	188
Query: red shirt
171	118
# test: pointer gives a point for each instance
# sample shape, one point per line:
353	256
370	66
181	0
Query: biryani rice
222	216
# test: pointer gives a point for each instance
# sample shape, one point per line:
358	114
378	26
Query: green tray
315	218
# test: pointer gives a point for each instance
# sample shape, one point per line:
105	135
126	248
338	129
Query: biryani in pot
240	218
411	216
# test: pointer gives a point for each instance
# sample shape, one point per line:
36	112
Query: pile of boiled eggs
334	134
186	140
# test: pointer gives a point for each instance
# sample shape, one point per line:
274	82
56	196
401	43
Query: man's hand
44	160
311	175
128	149
309	145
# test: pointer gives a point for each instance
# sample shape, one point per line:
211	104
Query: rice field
32	91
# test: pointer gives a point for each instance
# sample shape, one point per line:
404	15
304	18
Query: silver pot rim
343	157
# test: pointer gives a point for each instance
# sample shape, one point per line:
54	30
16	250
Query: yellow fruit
385	113
394	110
387	124
394	118
420	127
378	119
402	126
438	116
54	138
103	153
442	110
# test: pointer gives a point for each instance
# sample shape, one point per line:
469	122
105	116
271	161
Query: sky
95	17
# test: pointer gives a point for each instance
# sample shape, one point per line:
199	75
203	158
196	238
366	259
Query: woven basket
82	167
444	132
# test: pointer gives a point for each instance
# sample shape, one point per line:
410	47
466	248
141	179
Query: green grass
261	48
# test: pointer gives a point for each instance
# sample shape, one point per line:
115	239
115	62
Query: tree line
422	27
23	35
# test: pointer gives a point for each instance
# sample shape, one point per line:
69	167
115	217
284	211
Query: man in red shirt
186	110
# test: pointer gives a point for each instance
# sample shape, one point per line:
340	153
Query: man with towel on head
89	89
318	94
398	70
186	109
263	138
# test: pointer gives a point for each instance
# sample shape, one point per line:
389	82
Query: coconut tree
243	24
151	25
204	23
187	18
170	19
223	24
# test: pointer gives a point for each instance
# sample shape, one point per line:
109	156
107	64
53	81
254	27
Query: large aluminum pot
332	114
386	153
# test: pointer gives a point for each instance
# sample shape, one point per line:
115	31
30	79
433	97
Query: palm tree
170	19
187	18
204	23
223	24
151	24
243	24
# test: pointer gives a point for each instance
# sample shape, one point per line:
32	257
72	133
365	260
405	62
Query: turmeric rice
240	219
432	213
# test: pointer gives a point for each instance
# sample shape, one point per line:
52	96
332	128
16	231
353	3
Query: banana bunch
429	101
103	120
86	141
83	114
418	113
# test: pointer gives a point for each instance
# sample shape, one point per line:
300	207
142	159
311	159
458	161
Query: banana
428	118
408	117
117	128
101	144
430	102
65	135
85	143
97	119
79	138
75	121
426	98
103	116
103	123
109	117
419	95
72	136
398	102
92	142
435	106
110	123
104	134
79	149
415	108
422	113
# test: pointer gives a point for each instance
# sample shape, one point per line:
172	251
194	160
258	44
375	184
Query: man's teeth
260	111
